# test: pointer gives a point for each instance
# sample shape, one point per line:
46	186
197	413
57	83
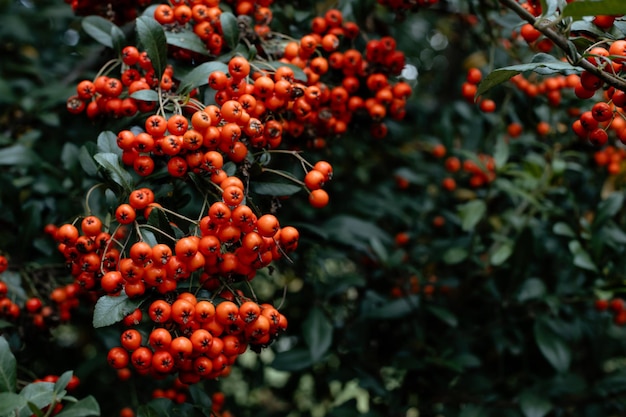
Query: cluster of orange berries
469	88
196	338
481	171
327	106
112	96
611	158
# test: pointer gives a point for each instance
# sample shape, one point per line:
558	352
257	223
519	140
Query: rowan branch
564	44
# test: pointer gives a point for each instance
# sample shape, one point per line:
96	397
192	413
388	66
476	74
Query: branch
563	43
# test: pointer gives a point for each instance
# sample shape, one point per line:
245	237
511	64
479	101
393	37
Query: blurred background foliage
484	307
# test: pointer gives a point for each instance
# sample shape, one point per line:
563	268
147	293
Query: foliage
469	260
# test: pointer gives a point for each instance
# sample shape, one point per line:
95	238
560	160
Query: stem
563	43
173	213
284	175
87	208
156	229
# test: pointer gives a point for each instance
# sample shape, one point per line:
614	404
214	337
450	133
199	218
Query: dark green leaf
186	39
118	39
111	164
534	405
62	382
354	232
10	403
292	360
317	332
99	28
582	259
502	252
531	289
201	399
553	347
471	213
8	367
454	255
110	309
199	76
540	65
152	38
230	29
107	143
443	314
86	162
274	188
18	154
40	394
608	208
394	309
563	229
88	406
501	152
145	95
580	9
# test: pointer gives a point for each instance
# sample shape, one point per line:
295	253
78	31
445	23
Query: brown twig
563	43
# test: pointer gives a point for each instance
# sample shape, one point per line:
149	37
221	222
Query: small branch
563	43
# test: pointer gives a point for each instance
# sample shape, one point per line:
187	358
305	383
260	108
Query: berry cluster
479	172
611	158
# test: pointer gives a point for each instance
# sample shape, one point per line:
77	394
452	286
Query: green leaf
186	39
503	251
99	28
86	162
18	154
553	347
317	332
532	288
501	152
582	259
471	213
354	232
275	188
454	255
107	143
8	367
230	29
11	403
111	164
145	95
444	315
394	309
541	64
40	394
292	360
152	38
88	406
199	76
112	309
118	39
608	208
580	9
471	410
533	404
62	382
563	229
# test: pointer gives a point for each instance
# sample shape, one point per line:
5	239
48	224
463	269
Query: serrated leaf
8	367
112	309
534	405
553	347
230	29
199	76
152	37
275	188
317	332
145	95
86	407
186	39
99	29
471	213
111	164
580	9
